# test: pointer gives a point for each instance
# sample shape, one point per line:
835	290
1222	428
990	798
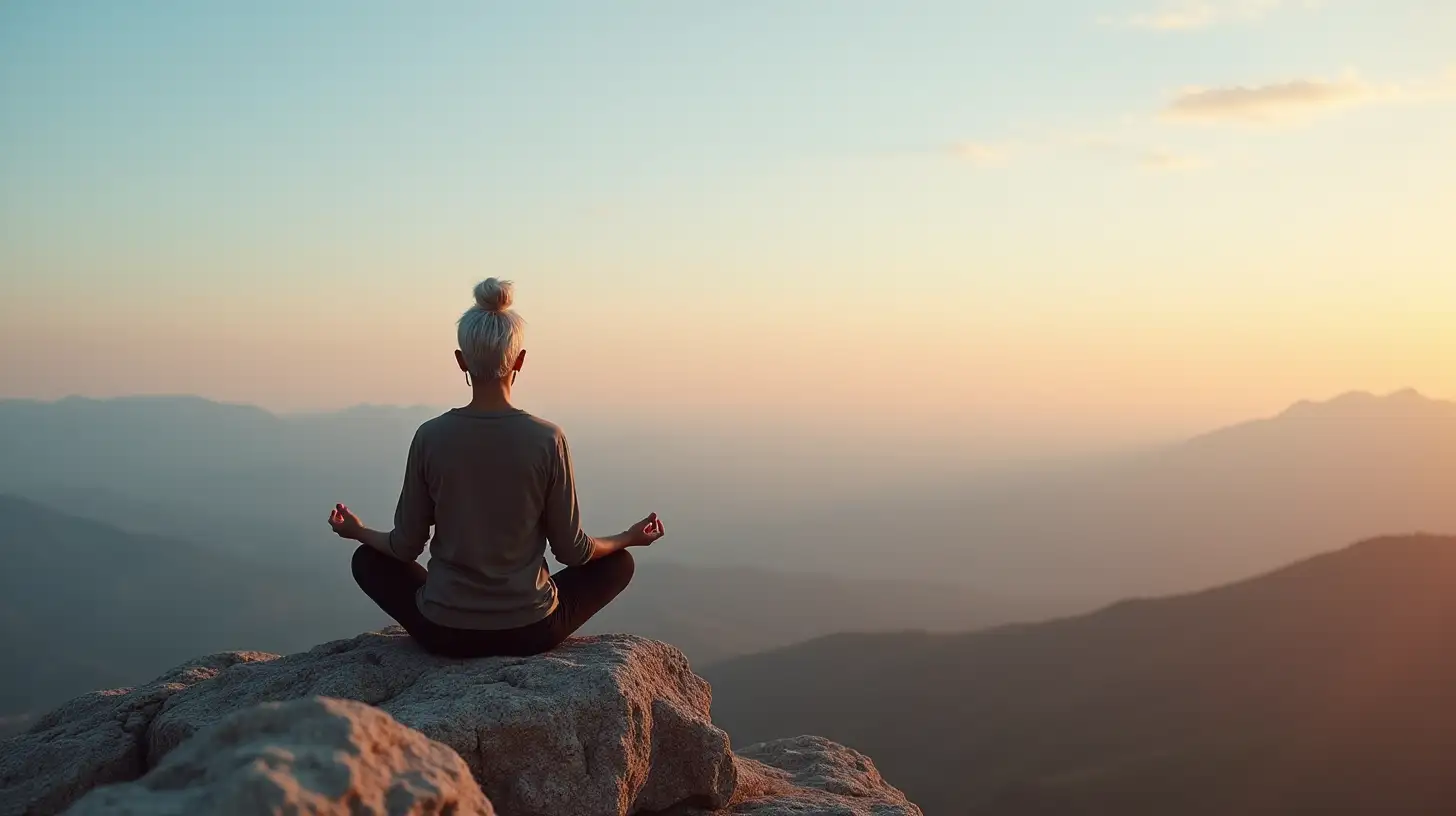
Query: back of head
490	334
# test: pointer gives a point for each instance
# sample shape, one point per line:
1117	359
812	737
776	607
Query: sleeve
415	513
562	516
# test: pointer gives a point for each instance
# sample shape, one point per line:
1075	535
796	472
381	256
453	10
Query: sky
1055	222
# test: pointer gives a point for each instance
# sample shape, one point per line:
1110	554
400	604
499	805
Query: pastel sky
1081	219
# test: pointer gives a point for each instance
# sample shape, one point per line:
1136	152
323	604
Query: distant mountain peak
1406	402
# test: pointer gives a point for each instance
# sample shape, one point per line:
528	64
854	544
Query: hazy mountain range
84	605
1050	538
1325	687
1213	509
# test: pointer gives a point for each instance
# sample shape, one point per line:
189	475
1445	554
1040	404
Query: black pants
581	592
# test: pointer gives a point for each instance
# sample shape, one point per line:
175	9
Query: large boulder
611	724
313	756
811	776
93	740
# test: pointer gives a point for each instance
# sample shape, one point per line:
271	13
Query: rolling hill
84	605
1325	687
715	613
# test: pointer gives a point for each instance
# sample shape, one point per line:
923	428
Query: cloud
1167	161
1157	159
982	154
1195	14
1276	103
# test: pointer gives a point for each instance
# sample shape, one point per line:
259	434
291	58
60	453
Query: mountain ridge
1208	510
138	579
1269	695
1340	404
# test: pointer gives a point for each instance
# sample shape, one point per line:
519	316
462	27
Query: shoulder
547	432
434	427
542	436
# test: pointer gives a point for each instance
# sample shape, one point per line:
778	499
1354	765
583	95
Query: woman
496	484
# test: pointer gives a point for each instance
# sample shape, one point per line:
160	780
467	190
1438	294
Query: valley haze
1043	536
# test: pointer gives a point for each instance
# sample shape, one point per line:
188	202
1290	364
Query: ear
460	361
520	361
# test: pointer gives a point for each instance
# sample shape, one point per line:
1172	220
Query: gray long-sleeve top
497	487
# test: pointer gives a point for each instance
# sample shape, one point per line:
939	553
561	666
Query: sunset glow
1116	220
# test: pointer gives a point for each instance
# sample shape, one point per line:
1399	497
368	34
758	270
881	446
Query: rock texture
811	775
314	756
95	739
608	725
602	725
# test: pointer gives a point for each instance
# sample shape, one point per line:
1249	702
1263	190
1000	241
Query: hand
645	532
345	523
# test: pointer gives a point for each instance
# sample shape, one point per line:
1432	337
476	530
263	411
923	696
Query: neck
494	395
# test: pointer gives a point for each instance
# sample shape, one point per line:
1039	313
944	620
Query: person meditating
496	484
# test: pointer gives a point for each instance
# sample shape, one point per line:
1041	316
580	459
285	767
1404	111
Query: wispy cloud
1195	14
1157	159
1293	101
982	154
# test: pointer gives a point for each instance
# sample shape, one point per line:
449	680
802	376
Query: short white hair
490	334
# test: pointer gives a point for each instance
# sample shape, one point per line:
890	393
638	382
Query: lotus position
496	485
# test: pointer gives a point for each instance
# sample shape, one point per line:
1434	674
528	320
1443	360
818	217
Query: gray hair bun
494	295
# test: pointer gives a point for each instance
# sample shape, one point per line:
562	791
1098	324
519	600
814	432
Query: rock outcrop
602	725
93	740
303	756
609	724
813	775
